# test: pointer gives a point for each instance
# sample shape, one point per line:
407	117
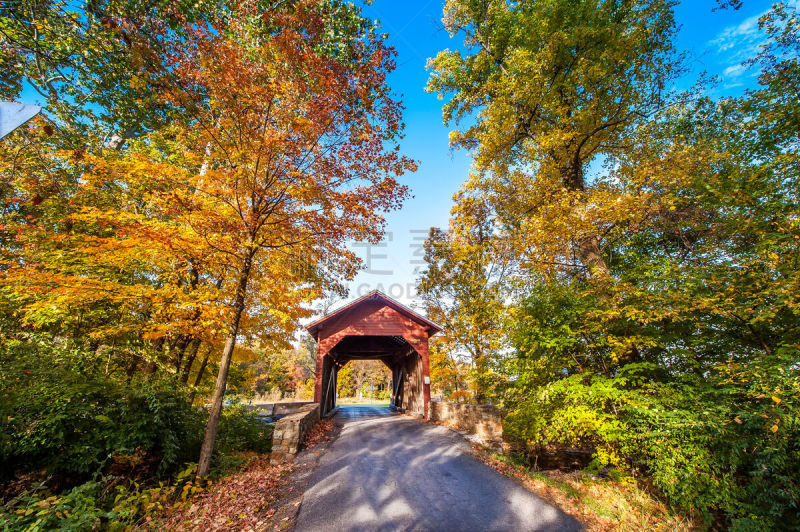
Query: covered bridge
379	328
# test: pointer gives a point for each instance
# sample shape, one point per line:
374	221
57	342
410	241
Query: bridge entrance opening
364	381
375	327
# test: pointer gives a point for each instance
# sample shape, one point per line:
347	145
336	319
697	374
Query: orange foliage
284	161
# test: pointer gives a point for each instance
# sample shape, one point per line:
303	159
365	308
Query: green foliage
75	510
86	62
576	411
60	412
463	290
241	429
553	81
110	503
383	395
723	438
654	302
122	449
273	374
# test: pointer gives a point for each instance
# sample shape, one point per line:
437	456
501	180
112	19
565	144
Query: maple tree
100	70
223	224
297	164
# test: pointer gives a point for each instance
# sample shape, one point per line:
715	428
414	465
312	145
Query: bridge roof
374	296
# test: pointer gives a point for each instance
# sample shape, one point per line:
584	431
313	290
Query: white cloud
736	44
734	71
746	34
730	86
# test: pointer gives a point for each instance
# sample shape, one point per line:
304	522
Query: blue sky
718	42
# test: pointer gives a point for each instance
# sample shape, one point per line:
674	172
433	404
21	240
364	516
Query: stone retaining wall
278	409
290	431
481	420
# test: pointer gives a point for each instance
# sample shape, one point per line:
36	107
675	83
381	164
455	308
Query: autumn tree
287	371
224	224
449	374
670	349
298	162
352	379
100	70
547	87
463	288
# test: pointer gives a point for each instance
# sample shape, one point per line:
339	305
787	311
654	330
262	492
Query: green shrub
729	452
73	422
115	451
110	503
240	429
716	436
76	509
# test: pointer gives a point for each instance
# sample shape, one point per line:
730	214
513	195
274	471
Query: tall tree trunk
186	340
592	256
588	247
180	349
187	368
203	366
204	363
201	371
224	365
479	372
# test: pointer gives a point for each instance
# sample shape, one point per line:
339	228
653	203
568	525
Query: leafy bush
72	420
242	430
723	443
115	451
700	448
729	442
88	506
38	510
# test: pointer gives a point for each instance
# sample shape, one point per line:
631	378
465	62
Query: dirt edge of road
551	495
287	507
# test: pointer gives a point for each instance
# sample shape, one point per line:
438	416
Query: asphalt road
390	472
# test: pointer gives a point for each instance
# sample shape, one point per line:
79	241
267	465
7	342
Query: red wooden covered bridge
375	327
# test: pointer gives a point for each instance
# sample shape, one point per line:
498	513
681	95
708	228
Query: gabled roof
375	295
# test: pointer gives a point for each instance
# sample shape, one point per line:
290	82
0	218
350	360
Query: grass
600	504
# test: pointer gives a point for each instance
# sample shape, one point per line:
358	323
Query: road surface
391	472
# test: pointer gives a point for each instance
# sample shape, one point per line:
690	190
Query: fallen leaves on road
240	501
599	504
319	433
245	500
